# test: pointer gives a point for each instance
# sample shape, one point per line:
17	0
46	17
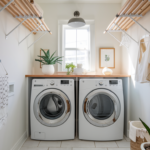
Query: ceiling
79	1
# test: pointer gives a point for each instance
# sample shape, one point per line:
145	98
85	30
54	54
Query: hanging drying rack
3	67
130	13
26	12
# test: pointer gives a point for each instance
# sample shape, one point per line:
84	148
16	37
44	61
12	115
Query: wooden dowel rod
142	11
29	6
11	7
146	10
124	6
8	9
130	24
124	20
25	24
37	23
37	12
45	25
21	7
139	6
17	8
31	13
24	7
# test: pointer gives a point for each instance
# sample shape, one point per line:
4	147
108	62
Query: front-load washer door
52	107
101	108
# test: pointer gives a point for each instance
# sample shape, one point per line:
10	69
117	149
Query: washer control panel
39	83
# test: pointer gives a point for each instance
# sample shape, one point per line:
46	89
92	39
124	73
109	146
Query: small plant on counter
48	61
70	68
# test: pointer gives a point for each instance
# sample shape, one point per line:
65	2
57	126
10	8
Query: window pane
83	58
70	38
70	56
82	39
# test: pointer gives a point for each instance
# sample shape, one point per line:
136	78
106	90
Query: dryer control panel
110	82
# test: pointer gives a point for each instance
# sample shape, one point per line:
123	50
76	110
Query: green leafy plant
70	68
107	58
146	126
49	59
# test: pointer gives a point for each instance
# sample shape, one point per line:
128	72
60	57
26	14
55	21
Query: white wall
18	61
139	92
102	14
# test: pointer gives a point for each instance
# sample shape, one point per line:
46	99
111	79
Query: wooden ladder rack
27	14
130	13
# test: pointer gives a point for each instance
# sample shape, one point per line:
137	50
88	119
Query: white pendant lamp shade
76	22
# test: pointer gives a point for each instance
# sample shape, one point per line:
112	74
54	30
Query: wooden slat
123	20
8	9
142	11
134	7
128	20
123	11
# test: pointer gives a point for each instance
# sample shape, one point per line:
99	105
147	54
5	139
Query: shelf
130	13
27	13
58	75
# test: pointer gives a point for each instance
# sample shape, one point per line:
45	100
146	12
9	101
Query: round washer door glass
101	107
52	107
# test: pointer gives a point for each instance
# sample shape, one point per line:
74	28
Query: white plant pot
48	69
79	70
142	145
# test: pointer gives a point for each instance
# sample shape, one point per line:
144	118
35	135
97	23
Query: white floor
76	145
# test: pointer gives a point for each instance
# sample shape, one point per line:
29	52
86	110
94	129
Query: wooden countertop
59	75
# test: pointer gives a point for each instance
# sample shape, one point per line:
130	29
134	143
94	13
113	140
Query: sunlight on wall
131	70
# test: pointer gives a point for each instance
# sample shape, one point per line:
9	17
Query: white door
52	107
101	108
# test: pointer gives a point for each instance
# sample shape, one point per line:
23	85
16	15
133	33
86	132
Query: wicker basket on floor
137	145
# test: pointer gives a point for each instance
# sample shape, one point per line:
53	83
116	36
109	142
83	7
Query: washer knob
52	82
100	83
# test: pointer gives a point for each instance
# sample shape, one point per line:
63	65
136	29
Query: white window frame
61	25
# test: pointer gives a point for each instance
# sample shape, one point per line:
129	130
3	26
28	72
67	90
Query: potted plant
48	62
70	68
145	146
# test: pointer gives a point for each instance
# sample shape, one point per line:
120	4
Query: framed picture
42	54
107	57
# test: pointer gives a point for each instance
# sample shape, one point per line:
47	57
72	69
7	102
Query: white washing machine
52	109
101	109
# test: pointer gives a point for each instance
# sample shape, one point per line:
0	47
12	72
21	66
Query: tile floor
76	145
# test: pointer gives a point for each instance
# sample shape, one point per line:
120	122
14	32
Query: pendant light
76	22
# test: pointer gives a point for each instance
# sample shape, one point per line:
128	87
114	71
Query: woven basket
137	145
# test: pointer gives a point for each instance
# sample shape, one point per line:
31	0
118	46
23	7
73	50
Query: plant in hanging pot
48	62
145	146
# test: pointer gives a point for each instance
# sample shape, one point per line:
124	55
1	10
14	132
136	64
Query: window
75	45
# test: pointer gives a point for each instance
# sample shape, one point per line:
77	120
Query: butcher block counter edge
79	76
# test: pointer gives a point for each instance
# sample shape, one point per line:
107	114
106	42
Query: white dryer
101	109
52	109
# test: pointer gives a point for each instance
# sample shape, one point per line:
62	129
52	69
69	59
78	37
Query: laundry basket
138	135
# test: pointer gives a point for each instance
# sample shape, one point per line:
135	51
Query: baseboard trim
20	142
